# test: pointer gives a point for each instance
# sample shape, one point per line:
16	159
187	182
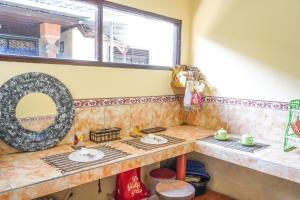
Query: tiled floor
210	195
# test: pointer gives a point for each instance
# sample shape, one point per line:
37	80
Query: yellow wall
43	106
248	49
91	82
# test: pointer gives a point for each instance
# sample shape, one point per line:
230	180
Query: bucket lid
175	189
163	173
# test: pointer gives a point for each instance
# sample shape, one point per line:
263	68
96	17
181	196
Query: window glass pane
48	28
135	39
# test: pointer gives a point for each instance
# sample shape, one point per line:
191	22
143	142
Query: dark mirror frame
99	63
13	90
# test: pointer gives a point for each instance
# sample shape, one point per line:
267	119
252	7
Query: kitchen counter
271	160
26	176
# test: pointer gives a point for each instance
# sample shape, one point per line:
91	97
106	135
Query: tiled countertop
271	160
26	176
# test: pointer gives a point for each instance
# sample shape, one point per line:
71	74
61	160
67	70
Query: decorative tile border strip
95	102
276	105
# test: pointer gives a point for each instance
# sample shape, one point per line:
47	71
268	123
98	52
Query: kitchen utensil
236	144
192	179
153	139
175	190
160	175
137	143
195	168
86	155
221	134
153	130
291	138
199	184
247	140
246	145
105	135
62	162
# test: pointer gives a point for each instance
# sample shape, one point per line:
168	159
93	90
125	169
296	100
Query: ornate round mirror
36	111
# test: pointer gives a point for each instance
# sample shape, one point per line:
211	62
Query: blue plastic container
195	168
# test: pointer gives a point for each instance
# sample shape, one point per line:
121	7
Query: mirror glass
36	111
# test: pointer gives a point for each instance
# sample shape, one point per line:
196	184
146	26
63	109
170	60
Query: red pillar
181	167
50	34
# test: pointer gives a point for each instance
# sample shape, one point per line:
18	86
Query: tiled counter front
271	160
125	112
265	120
25	176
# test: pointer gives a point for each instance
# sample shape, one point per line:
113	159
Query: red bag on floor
130	187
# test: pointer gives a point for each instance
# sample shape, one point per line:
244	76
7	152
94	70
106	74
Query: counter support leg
181	167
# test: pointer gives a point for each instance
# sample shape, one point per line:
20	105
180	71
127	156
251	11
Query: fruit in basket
296	128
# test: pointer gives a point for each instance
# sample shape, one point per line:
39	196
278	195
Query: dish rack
291	139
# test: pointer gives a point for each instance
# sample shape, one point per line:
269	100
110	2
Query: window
97	33
133	38
51	29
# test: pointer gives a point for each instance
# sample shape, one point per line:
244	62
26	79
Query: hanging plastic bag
194	98
130	187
